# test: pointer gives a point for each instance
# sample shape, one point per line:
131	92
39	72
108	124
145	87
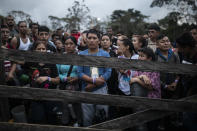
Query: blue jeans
90	110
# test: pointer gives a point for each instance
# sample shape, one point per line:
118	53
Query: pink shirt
155	80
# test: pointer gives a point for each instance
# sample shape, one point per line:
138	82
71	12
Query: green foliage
170	26
128	21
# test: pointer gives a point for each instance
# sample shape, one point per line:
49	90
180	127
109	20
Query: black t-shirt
34	70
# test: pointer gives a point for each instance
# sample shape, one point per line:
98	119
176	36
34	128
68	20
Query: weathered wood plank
114	100
137	118
4	126
132	120
4	105
97	61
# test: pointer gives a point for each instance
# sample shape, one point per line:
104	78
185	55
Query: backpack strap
18	41
70	70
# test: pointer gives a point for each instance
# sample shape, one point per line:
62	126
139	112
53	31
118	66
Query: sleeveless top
24	46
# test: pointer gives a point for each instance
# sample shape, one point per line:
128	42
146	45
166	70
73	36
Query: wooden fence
155	108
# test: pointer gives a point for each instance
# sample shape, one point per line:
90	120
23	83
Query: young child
146	84
59	46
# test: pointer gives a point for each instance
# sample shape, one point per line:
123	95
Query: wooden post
4	105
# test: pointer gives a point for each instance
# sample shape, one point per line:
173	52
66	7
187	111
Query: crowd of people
153	46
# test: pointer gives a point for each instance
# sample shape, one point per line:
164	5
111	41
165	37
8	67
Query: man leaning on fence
94	81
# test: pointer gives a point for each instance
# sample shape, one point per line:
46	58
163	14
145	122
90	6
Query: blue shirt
63	71
103	72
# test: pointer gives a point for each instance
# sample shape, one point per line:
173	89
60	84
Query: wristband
176	81
65	79
49	79
93	80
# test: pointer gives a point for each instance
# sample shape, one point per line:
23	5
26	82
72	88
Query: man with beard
11	25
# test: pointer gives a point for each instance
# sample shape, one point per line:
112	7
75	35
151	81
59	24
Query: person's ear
127	47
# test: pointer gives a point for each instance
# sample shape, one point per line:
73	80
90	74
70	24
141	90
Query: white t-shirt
124	79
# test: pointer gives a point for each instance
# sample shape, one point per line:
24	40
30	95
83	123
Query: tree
2	20
78	15
20	16
56	22
129	22
186	8
171	26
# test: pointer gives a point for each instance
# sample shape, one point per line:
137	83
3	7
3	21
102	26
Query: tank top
24	46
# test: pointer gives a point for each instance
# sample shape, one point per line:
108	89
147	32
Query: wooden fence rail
113	100
82	60
155	108
137	118
117	124
4	126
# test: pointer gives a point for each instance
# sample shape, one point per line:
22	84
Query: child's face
58	44
143	56
41	48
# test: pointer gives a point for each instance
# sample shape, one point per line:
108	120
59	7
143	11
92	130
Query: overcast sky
41	9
